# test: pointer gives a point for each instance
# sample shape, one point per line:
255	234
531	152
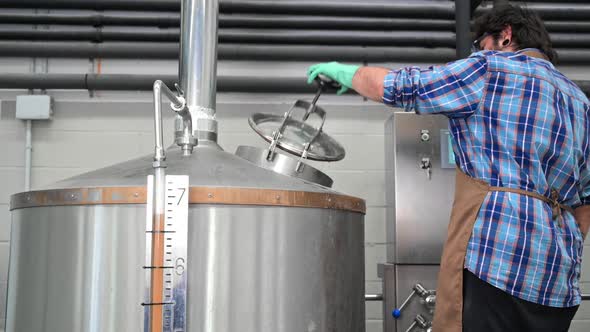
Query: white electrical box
34	107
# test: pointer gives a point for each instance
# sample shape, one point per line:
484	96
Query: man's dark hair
528	30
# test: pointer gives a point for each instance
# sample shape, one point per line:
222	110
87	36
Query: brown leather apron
469	196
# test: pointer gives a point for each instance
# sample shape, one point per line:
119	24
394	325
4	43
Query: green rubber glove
339	72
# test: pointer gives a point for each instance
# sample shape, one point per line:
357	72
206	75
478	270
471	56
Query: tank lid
298	137
284	164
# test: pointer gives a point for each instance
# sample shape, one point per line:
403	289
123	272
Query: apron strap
556	206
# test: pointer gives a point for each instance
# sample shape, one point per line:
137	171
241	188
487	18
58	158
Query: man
511	261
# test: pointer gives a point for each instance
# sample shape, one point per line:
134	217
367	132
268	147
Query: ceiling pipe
255	36
166	20
232	21
576	10
226	52
155	5
130	82
251	52
413	9
265	36
553	11
95	19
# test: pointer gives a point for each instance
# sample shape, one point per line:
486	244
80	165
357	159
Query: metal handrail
373	297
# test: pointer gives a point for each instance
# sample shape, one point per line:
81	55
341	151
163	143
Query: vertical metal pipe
462	28
157	254
28	153
198	64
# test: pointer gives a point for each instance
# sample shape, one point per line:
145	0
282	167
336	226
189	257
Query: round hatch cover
296	134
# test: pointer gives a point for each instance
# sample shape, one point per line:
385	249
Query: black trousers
489	309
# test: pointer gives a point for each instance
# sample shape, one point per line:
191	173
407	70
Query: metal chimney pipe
198	64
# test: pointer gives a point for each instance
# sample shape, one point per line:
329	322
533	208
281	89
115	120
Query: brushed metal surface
276	269
79	268
419	206
208	166
387	275
76	268
406	277
284	164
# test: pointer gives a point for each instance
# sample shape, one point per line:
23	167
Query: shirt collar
531	49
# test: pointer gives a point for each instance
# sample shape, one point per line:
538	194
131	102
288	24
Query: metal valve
430	302
426	165
422	323
428	296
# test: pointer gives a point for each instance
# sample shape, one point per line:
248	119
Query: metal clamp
184	138
421	322
324	83
428	296
278	134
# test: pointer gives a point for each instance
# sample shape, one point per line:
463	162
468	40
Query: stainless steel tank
266	251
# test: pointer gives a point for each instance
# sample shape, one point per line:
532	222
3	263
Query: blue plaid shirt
516	122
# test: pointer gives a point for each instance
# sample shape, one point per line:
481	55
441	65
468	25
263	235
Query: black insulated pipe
410	9
554	1
166	20
254	52
96	35
130	82
147	5
571	27
278	36
257	36
96	20
263	52
127	82
498	3
233	21
554	11
415	9
334	53
462	28
332	22
263	21
121	50
331	37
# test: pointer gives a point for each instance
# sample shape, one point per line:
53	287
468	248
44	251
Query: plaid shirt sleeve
584	190
454	89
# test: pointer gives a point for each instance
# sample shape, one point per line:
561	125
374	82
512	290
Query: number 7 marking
181	195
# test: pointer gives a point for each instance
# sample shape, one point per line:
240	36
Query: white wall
91	132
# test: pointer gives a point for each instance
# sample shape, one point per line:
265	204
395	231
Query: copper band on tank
198	195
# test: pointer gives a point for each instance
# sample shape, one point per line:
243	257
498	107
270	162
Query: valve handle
417	289
397	312
420	322
325	82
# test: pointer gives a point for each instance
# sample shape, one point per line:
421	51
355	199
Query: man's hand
582	215
340	73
